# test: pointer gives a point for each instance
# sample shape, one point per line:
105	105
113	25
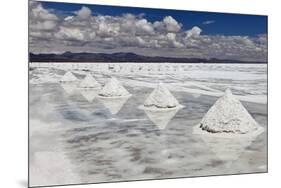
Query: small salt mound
89	82
113	88
68	77
161	98
228	115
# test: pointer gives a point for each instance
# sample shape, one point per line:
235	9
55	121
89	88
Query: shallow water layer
77	140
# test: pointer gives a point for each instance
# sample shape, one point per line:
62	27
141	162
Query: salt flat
91	144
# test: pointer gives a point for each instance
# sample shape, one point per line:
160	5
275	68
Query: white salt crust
228	116
113	89
89	82
68	77
161	98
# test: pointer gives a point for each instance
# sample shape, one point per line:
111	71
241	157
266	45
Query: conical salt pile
68	77
228	115
161	98
113	88
89	82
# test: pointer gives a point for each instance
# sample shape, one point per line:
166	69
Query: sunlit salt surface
78	137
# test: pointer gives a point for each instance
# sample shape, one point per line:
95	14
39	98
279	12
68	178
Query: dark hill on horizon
124	57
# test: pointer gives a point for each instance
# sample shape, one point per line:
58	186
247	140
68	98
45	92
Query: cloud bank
85	31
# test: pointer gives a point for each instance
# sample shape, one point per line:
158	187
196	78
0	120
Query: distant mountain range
124	57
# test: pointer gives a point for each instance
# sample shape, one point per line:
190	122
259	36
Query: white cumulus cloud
84	13
171	24
194	32
83	31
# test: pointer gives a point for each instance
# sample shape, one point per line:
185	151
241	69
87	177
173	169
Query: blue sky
59	27
223	23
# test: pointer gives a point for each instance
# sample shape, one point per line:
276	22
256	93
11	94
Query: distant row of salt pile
113	88
226	116
126	68
113	95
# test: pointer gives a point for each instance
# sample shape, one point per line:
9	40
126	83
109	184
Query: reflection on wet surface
161	118
77	137
114	105
69	88
228	149
89	94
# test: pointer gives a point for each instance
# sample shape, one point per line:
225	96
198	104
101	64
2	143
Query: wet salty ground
73	140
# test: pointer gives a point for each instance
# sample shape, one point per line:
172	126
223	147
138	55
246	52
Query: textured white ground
77	137
248	81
